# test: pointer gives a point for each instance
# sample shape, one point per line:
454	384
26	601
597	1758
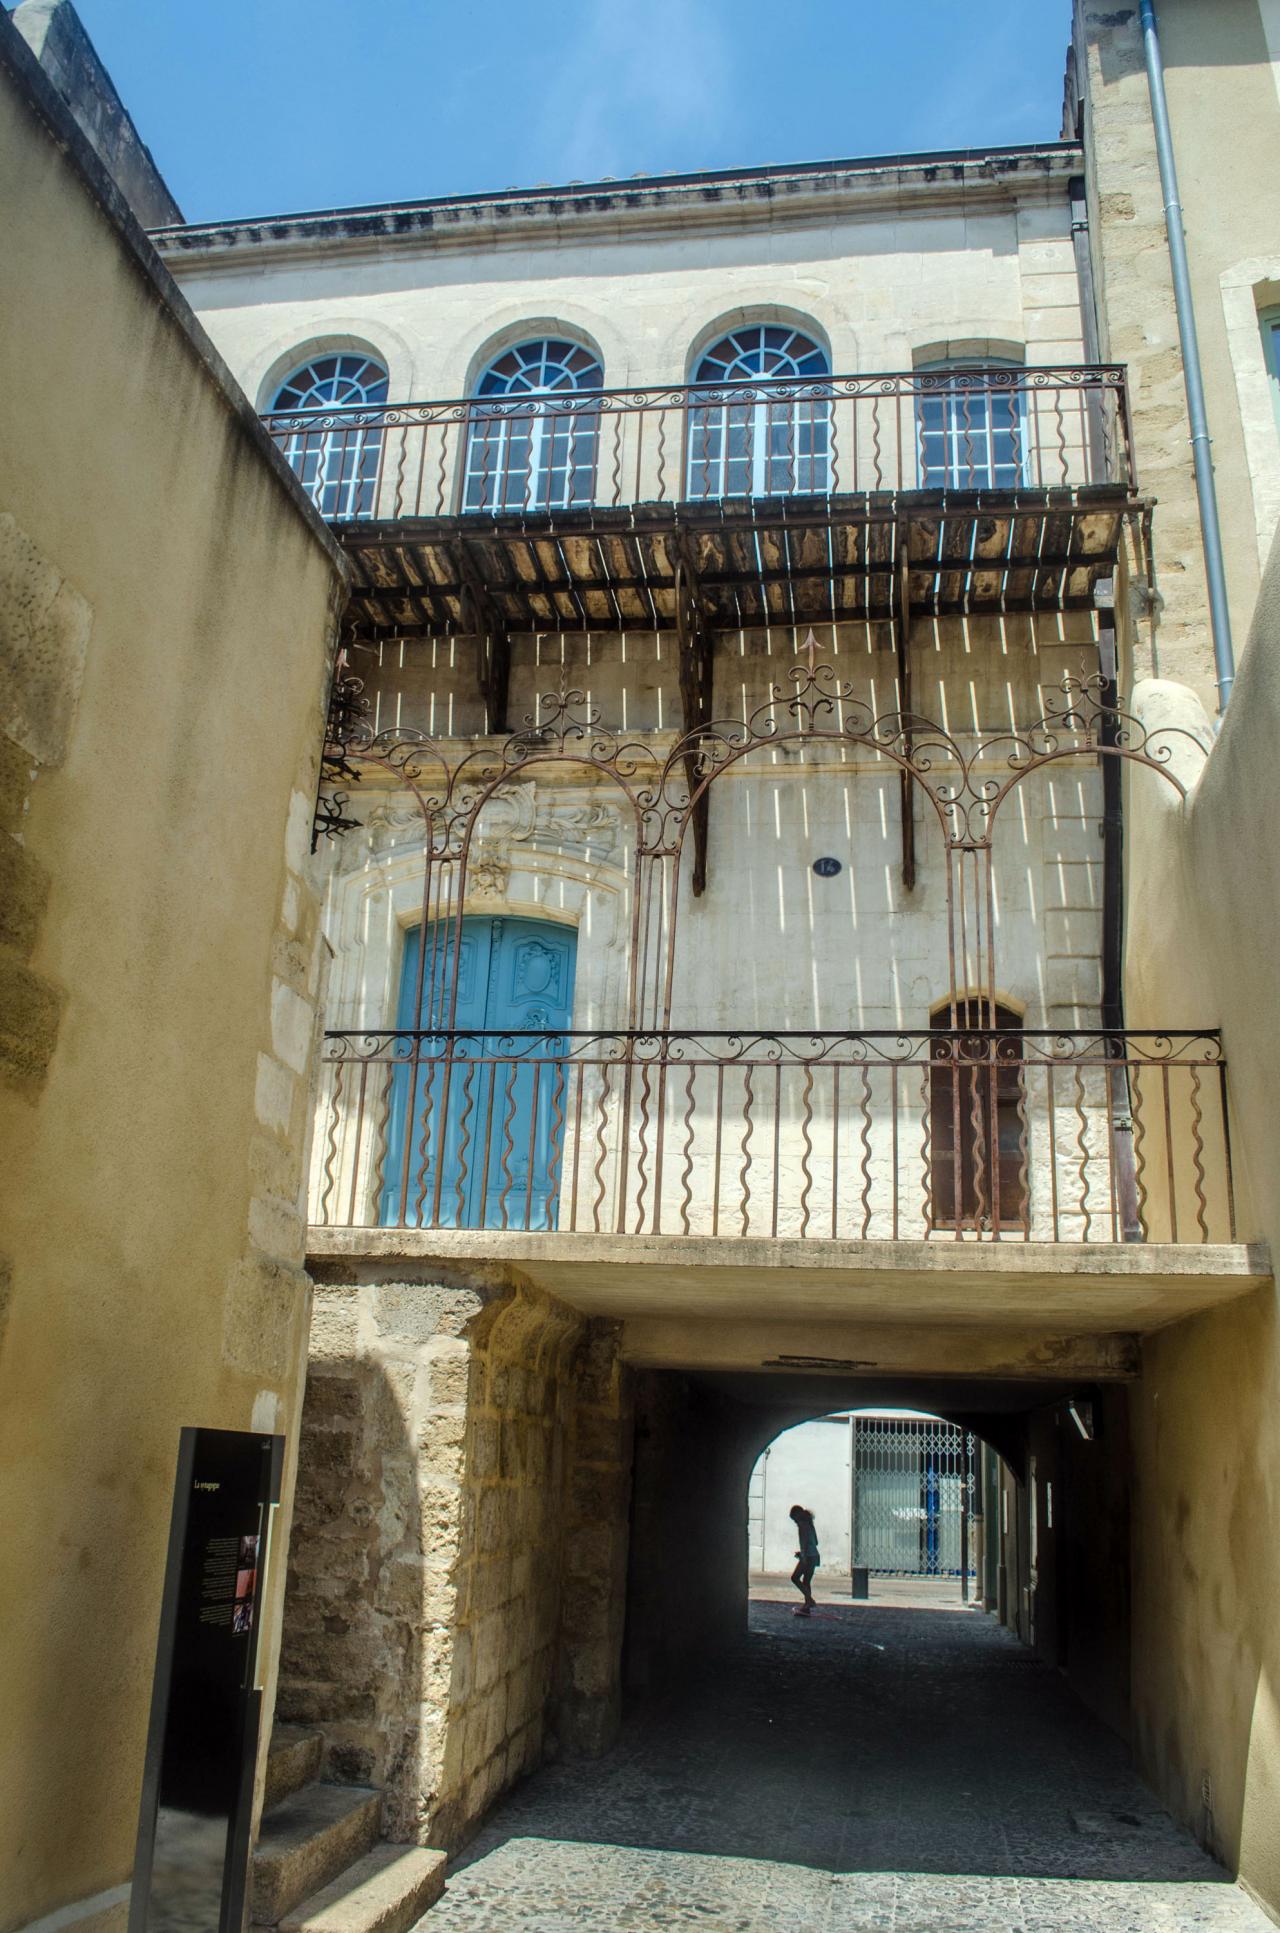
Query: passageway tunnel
873	1766
520	1609
1053	1567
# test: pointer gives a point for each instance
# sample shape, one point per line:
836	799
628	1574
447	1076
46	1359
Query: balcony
975	1136
978	1170
945	492
1075	1181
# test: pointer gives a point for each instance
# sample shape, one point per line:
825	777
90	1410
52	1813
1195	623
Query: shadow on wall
687	1564
455	1588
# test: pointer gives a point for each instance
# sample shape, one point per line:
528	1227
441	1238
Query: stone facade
1138	326
454	1610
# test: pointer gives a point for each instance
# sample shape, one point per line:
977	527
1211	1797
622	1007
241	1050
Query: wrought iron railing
977	1135
943	430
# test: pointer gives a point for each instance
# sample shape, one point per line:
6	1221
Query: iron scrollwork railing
934	430
978	1135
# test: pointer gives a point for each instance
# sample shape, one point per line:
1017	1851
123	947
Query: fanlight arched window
770	444
977	1118
338	463
971	423
531	440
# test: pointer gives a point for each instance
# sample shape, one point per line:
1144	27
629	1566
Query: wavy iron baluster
642	1150
381	1139
508	1146
806	1142
981	1218
893	1142
616	478
533	1145
1082	1144
464	1142
357	1143
777	1145
748	1130
1168	1154
1024	1158
686	1175
488	1141
864	1131
1197	1156
404	451
555	1149
424	1145
835	1150
602	1122
1139	1152
335	1113
926	1149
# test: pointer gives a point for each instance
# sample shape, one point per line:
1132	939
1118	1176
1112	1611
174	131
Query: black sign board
826	868
191	1866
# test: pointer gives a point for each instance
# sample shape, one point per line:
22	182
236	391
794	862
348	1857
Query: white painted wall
853	952
810	1464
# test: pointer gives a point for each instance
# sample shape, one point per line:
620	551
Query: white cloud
629	83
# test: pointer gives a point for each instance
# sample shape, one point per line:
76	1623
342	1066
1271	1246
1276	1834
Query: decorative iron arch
966	779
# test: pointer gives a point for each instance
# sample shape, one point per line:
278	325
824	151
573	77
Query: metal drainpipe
1201	447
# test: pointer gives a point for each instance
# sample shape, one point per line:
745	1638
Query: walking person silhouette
802	1575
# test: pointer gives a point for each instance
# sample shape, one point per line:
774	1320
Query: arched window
971	426
529	446
338	465
977	1118
761	447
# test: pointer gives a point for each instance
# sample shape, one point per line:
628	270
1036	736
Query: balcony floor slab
759	560
1043	1288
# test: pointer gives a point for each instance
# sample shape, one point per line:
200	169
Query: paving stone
875	1771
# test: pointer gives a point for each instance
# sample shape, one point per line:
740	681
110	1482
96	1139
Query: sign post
191	1865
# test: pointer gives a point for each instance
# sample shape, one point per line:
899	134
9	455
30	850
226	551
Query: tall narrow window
971	427
337	461
532	433
773	443
977	1119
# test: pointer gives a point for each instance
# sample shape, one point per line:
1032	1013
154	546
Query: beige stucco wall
1204	934
166	609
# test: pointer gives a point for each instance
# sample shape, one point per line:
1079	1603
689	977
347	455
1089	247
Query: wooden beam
493	641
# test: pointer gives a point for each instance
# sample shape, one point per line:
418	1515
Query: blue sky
266	106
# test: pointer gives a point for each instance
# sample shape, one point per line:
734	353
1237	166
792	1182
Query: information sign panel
191	1866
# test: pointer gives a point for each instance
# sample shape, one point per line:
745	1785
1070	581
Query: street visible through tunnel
872	1769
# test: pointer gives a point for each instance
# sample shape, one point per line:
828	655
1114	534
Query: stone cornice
649	205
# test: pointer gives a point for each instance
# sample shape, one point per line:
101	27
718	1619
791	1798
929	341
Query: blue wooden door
475	1139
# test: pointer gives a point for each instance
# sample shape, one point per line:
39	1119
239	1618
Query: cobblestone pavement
865	1771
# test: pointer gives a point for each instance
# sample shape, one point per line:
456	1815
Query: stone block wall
455	1603
1138	325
